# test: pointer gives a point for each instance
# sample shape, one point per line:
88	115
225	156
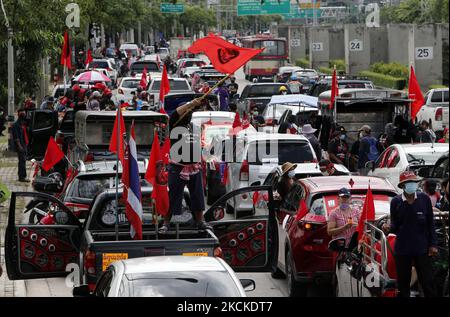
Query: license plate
196	254
109	258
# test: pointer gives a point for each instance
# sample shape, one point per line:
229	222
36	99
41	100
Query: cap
366	129
283	88
408	176
344	192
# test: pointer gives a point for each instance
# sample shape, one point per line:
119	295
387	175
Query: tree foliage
417	11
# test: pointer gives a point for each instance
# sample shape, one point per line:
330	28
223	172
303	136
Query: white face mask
291	174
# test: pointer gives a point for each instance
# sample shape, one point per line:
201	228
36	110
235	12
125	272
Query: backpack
373	151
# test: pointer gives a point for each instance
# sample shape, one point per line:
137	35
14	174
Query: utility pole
314	13
11	95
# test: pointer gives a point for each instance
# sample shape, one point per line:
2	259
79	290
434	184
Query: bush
385	80
302	62
326	70
340	64
391	69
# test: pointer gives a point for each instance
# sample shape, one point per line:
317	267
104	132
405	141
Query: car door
43	126
248	240
40	251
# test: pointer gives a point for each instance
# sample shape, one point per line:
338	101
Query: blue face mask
410	188
345	206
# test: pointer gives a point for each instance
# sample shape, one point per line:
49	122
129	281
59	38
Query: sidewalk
8	176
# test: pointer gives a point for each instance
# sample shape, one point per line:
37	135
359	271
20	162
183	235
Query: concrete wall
378	44
398	43
297	43
337	47
319	58
357	57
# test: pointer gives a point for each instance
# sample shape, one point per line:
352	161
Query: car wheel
295	289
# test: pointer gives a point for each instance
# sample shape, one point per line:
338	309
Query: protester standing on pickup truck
412	220
184	170
20	138
338	147
427	135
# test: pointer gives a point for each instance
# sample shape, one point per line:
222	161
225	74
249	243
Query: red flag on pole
157	175
225	57
66	53
334	89
89	58
245	121
53	155
237	121
415	93
166	151
368	213
144	80
118	130
302	211
164	89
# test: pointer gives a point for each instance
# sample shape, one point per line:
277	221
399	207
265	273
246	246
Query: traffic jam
171	170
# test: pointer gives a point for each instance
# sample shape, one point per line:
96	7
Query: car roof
274	136
213	114
334	183
424	147
267	84
172	264
105	167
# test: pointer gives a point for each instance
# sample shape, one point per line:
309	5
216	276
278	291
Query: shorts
176	191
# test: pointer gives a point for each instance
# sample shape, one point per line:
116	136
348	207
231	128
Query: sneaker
202	225
164	229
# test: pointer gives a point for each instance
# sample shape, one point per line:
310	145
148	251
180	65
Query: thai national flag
132	188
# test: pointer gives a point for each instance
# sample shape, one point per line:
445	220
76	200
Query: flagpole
119	135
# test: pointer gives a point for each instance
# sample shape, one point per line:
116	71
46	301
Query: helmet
294	77
283	88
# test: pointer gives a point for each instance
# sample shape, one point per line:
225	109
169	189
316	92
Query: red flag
121	132
245	122
144	80
334	89
53	155
164	89
302	211
368	213
237	121
89	58
157	175
166	151
225	57
66	53
255	198
415	93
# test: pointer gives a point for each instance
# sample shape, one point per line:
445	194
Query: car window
441	171
446	96
174	85
104	283
381	162
99	64
139	67
393	159
42	120
437	96
281	152
318	207
184	284
130	84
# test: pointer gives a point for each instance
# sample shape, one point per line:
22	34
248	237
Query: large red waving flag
157	176
334	89
368	213
415	93
164	89
118	130
89	58
66	53
53	155
225	57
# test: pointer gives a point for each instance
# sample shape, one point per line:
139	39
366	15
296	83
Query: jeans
424	273
22	156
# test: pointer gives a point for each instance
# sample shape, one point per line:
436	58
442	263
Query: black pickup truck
44	251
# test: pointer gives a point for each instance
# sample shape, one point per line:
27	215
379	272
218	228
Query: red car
303	255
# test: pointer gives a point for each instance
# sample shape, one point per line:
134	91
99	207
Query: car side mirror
424	172
248	285
82	291
337	245
370	165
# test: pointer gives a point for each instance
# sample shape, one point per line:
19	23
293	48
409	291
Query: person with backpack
368	149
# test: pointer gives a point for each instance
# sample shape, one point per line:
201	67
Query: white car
435	110
127	86
58	91
169	276
401	157
163	52
130	49
215	117
273	113
177	85
154	69
188	72
107	65
256	155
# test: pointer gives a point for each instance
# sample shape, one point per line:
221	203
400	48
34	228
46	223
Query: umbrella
92	76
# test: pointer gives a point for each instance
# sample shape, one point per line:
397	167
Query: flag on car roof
415	94
144	80
132	188
164	89
53	155
66	53
118	132
157	175
225	57
368	213
89	58
334	89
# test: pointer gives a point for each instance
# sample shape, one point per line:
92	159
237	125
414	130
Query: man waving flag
132	188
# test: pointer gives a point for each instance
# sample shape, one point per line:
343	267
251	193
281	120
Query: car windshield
276	111
193	63
219	132
174	85
281	152
183	284
99	64
265	90
427	158
139	67
89	188
131	84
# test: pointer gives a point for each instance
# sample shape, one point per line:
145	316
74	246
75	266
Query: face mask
326	173
410	188
345	205
291	174
343	137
